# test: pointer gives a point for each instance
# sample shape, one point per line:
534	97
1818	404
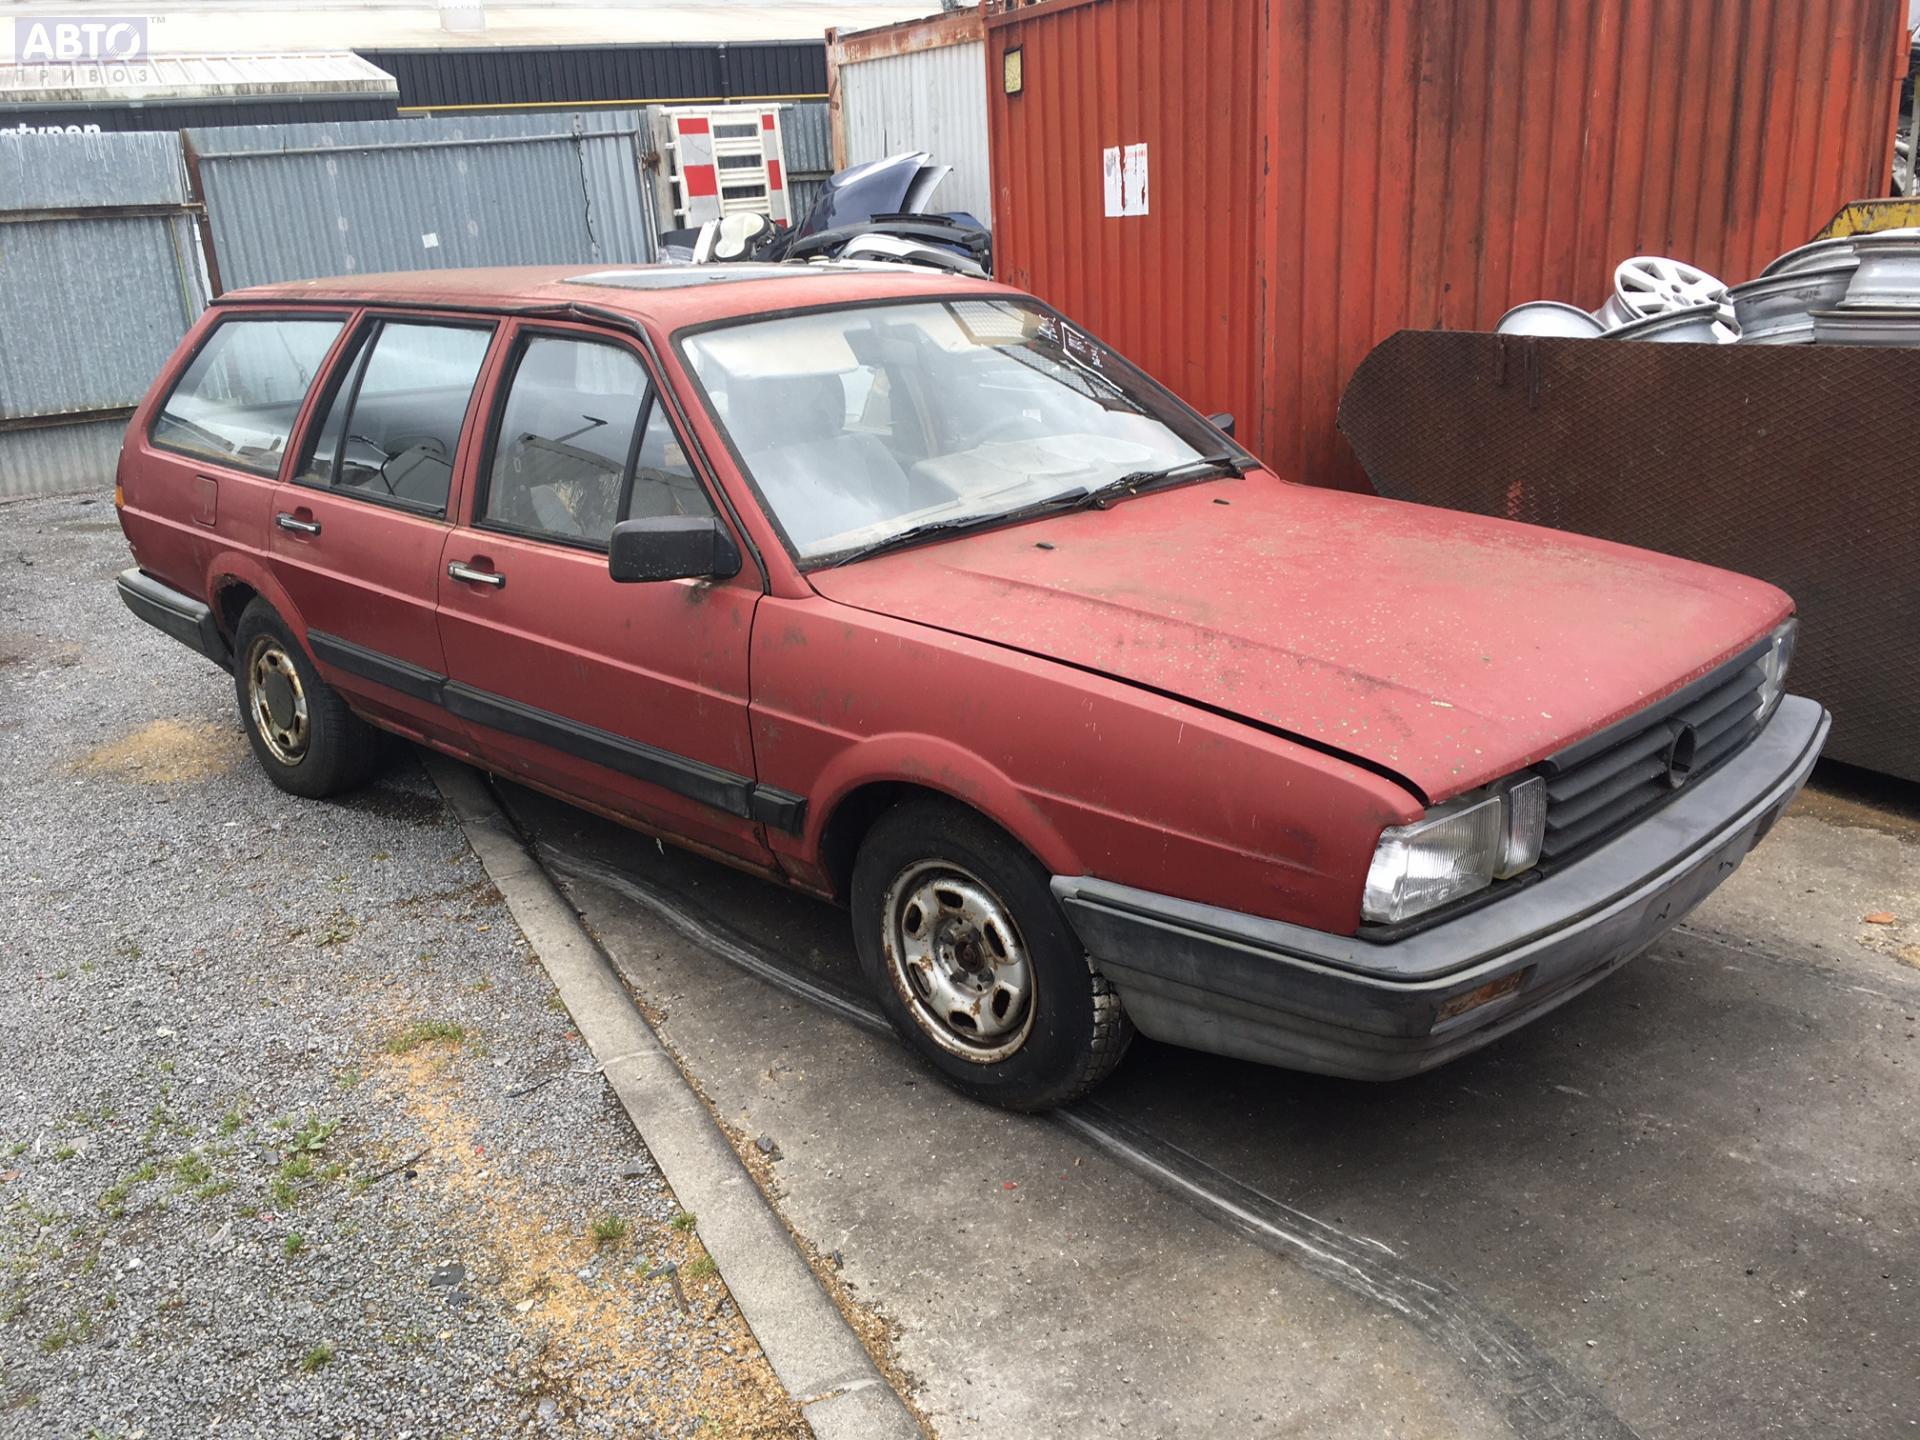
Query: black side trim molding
708	784
409	680
175	613
721	789
779	808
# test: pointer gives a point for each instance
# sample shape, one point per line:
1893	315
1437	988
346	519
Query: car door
629	698
211	457
359	527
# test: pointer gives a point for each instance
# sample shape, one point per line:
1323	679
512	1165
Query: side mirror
672	547
1223	422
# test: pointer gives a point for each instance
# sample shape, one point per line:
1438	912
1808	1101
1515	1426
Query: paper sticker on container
1124	172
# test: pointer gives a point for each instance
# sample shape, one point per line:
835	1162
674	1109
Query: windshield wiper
915	532
1102	496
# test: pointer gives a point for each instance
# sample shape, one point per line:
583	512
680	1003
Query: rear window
236	402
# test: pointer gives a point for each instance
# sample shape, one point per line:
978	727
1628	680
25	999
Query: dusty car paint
1220	702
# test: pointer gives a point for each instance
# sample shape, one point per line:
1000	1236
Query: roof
197	79
668	296
213	26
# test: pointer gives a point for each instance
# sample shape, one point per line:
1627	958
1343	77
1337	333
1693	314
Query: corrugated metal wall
295	201
1348	168
178	117
933	100
807	136
103	277
1174	289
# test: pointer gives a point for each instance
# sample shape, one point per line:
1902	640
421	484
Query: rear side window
236	402
581	445
393	423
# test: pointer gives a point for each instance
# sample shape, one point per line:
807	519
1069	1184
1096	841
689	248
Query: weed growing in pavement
426	1032
191	1170
314	1359
294	1244
13	1309
312	1137
65	1152
16	1149
701	1267
556	1004
608	1229
235	1117
113	1199
67	1332
339	930
685	1220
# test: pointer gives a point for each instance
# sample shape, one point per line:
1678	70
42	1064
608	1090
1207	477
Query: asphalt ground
1686	1204
295	1136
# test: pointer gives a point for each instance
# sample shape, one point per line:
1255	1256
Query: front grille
1609	781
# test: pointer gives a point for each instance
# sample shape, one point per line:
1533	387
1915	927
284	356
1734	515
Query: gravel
295	1137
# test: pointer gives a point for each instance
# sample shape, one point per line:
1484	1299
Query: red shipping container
1247	195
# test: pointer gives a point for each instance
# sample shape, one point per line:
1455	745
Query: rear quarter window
236	402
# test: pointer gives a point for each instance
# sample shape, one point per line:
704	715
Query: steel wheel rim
958	961
278	701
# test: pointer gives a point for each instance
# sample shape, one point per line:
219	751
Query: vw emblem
1679	756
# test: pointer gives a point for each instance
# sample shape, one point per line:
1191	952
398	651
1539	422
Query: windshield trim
807	564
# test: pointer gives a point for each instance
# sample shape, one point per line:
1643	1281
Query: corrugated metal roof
168	79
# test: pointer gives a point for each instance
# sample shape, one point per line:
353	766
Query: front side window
861	424
393	424
236	402
582	444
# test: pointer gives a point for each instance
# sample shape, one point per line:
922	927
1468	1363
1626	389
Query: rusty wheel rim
277	701
958	961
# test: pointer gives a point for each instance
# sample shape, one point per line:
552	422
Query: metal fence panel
932	100
103	276
298	201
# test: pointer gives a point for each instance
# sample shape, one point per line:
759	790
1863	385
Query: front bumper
175	612
1217	980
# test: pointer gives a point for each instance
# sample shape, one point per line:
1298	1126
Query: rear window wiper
1102	496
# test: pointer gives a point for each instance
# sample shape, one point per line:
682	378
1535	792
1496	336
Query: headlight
1774	666
1458	848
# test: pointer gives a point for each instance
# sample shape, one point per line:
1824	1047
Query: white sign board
1124	173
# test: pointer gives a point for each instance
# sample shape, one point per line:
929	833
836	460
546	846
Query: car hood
1448	649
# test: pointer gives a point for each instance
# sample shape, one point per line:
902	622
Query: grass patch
294	1244
701	1267
235	1117
426	1032
190	1171
16	1149
608	1229
317	1358
113	1199
65	1152
68	1332
685	1220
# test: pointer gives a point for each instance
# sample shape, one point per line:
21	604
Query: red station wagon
904	590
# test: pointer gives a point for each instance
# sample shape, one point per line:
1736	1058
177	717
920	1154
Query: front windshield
858	425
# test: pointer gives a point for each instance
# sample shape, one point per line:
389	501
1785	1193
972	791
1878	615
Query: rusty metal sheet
1792	463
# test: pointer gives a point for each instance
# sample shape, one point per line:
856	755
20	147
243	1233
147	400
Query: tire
953	919
301	731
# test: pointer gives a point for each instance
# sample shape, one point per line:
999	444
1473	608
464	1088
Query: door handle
298	527
478	577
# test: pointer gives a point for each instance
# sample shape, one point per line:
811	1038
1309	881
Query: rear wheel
302	732
974	963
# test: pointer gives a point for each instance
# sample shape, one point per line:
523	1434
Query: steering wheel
1001	425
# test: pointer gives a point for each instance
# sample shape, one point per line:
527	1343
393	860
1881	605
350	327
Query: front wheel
974	963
